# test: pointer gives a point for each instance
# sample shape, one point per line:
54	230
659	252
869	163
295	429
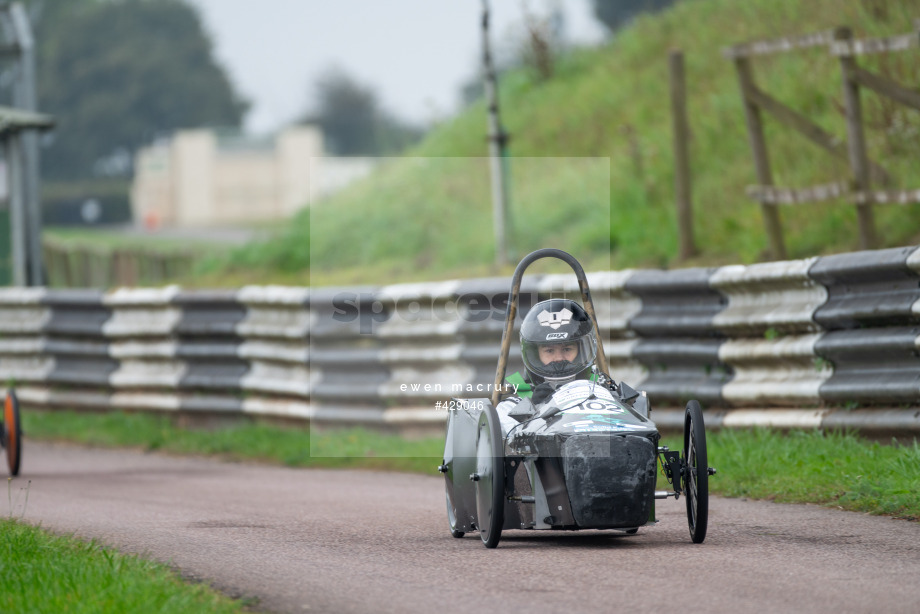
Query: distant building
205	178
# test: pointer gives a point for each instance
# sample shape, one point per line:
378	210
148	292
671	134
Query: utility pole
498	146
21	47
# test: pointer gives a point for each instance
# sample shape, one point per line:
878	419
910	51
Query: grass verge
291	446
834	469
46	573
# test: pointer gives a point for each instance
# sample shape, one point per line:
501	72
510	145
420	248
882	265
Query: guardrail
830	334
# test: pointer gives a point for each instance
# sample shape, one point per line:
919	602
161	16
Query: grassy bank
592	168
834	469
40	572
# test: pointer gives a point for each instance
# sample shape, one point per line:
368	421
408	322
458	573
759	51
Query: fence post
856	144
682	191
761	160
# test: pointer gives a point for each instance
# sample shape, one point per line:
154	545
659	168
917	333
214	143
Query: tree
617	13
116	74
352	120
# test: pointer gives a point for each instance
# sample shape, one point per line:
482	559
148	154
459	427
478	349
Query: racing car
585	456
11	432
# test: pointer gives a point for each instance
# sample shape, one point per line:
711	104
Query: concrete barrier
829	332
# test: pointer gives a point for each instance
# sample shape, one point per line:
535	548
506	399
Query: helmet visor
560	359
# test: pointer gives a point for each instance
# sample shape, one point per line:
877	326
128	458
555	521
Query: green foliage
617	13
834	469
118	74
286	254
293	446
429	216
45	573
592	168
352	120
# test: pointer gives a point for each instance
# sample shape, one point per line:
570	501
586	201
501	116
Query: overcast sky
414	53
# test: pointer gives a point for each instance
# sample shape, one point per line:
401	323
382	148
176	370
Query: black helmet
566	335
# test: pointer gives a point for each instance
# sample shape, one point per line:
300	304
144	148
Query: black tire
452	519
490	485
696	475
12	432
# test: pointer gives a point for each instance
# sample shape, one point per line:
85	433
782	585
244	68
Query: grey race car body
586	457
589	462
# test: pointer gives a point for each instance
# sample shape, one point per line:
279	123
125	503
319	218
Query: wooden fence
83	266
861	188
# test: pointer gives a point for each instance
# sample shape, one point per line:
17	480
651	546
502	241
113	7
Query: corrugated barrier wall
830	341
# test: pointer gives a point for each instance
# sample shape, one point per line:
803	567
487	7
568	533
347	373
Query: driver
558	345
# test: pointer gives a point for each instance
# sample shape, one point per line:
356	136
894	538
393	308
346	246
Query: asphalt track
351	541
